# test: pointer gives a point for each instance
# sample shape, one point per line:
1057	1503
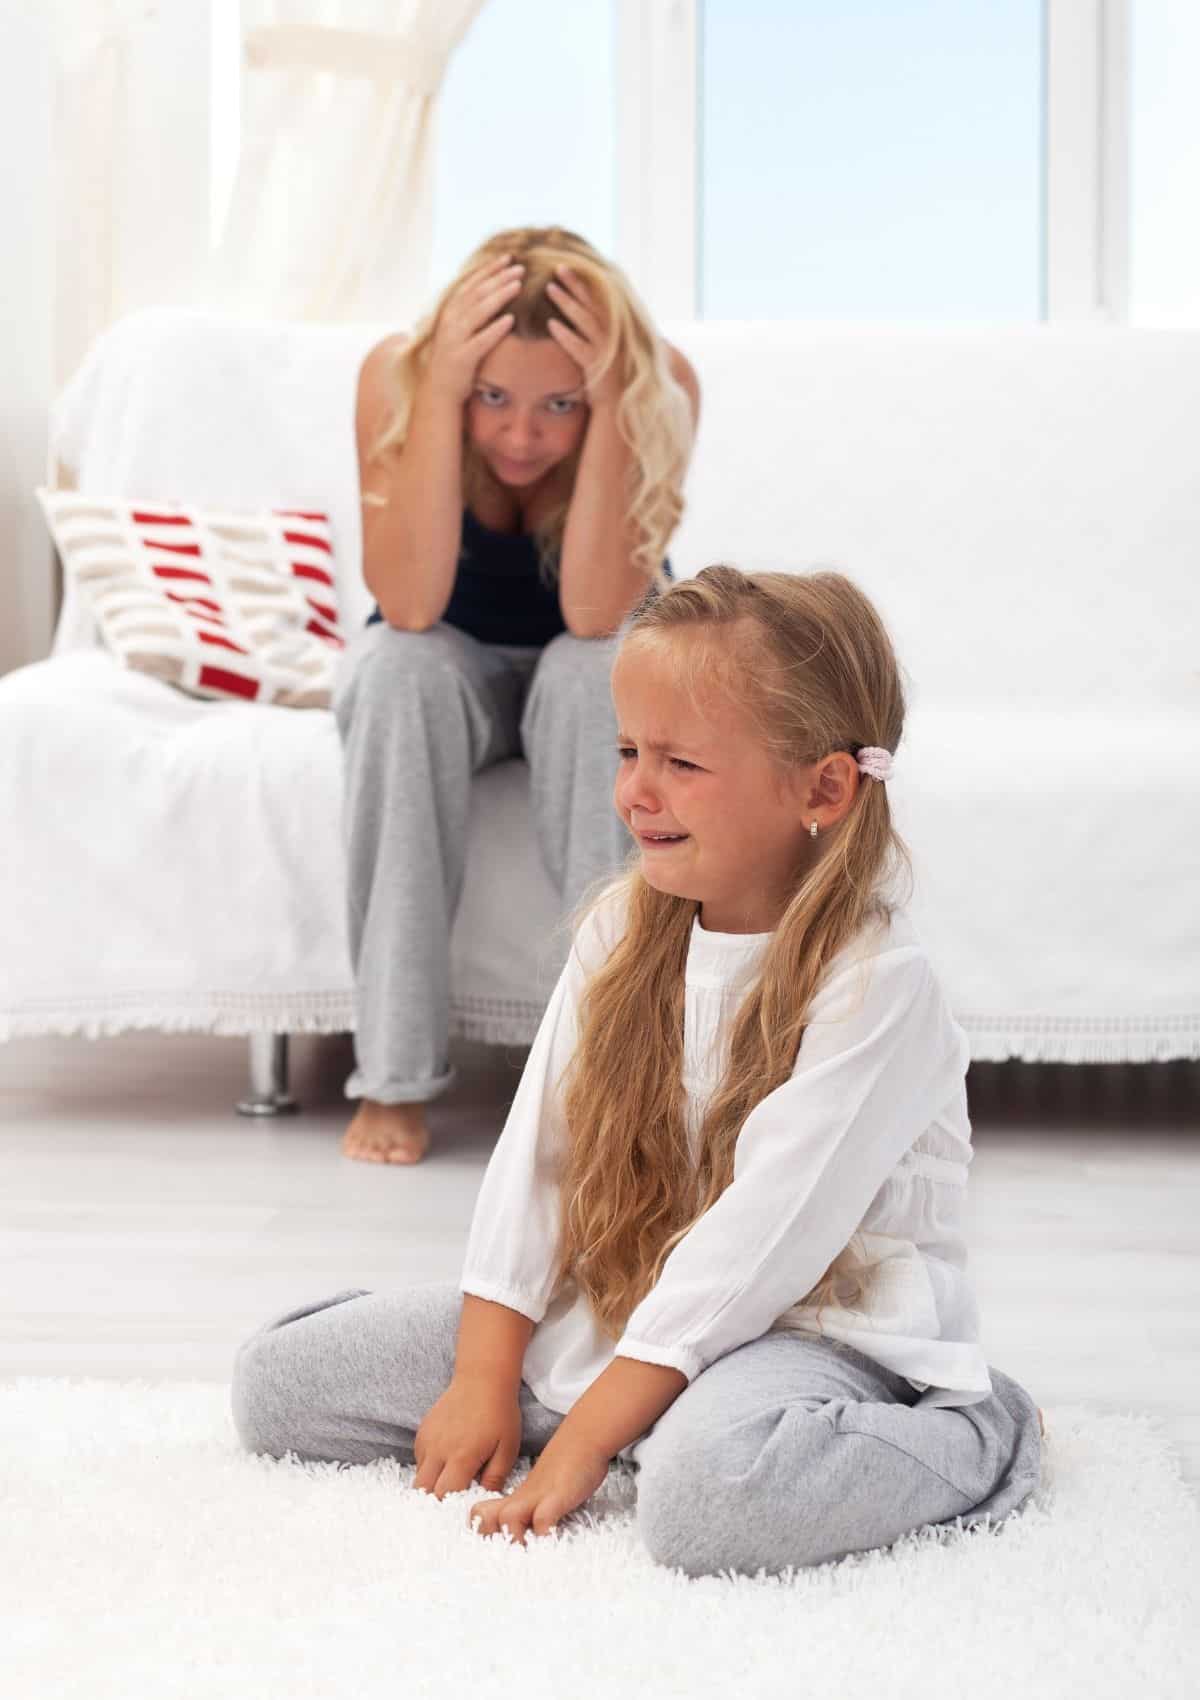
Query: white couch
1023	506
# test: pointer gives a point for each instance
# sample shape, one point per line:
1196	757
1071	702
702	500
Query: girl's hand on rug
472	1433
561	1480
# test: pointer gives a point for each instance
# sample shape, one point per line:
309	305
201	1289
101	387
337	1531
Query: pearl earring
812	829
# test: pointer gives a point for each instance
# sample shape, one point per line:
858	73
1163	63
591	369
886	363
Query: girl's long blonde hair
654	414
807	659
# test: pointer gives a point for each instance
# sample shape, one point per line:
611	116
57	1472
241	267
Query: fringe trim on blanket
235	1014
490	1021
514	1021
1082	1039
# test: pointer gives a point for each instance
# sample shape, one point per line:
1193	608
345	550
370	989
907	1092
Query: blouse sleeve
876	1063
512	1248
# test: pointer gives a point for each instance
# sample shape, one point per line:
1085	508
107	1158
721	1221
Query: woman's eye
624	752
490	398
688	766
562	405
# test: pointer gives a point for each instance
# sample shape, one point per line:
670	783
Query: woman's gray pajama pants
419	713
790	1451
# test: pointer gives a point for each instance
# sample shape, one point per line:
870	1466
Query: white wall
94	222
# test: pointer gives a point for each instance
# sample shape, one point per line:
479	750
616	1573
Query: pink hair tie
875	763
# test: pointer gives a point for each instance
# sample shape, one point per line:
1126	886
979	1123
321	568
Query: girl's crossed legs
790	1451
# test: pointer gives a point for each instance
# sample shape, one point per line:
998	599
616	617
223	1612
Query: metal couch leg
268	1095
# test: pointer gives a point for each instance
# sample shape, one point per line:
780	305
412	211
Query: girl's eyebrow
659	748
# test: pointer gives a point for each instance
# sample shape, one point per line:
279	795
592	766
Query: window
525	127
870	160
1165	164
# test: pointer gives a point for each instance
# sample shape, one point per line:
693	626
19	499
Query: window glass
525	127
1164	281
871	160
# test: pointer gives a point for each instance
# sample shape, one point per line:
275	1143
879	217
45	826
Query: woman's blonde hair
807	659
654	415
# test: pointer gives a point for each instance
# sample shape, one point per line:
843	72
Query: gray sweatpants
790	1451
419	713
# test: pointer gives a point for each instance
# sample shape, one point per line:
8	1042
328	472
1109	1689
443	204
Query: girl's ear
834	785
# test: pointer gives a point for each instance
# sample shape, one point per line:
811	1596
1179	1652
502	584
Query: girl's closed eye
624	751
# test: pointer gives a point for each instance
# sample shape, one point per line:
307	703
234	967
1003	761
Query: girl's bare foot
387	1133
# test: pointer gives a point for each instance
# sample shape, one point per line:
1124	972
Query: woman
522	459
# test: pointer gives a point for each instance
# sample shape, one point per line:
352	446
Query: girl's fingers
495	1471
428	1471
485	1514
495	1515
546	1515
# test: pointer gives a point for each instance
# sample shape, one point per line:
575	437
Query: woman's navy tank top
499	593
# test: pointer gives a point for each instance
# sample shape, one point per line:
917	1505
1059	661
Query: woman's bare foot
387	1133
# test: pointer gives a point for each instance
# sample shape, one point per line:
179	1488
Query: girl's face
714	818
528	410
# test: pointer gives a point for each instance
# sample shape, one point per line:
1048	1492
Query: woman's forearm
624	1401
598	580
491	1342
411	545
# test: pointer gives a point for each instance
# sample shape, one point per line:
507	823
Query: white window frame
1085	167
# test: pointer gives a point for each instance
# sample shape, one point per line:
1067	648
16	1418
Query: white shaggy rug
142	1554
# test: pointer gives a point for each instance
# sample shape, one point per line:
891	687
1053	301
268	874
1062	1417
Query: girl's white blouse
868	1141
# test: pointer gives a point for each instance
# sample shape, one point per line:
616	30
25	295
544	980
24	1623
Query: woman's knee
387	666
571	666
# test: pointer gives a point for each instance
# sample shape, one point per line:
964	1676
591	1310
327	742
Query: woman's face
528	410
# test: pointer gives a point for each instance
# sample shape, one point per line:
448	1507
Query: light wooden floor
145	1229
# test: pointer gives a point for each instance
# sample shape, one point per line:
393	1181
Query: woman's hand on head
472	1433
470	325
581	334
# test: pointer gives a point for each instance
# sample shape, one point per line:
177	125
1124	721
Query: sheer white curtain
129	161
331	213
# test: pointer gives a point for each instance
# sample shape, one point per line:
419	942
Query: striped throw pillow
228	605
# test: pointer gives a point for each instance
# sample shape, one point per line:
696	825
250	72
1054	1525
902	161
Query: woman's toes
407	1148
387	1133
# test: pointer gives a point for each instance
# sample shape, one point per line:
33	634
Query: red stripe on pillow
180	572
233	684
298	513
322	631
302	570
191	603
141	517
224	642
323	609
307	537
175	548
